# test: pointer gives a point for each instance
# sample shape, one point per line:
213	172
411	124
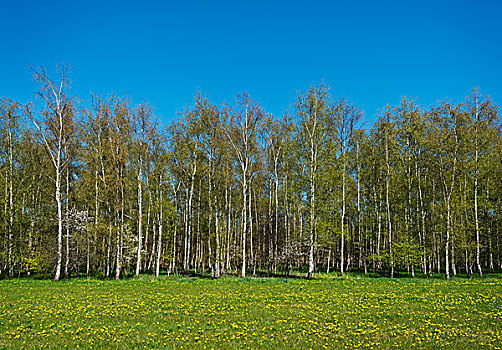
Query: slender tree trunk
200	247
257	222
189	220
409	222
32	226
147	265
217	233
270	239
387	201
447	242
359	233
151	258
476	176
117	255
210	224
313	170
228	200
342	243
96	220
108	249
57	276
11	204
244	224
140	217
250	215
161	221
120	232
476	215
175	231
287	223
490	229
423	214
329	260
67	262
379	229
276	226
5	264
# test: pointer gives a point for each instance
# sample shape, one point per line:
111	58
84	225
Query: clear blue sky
372	52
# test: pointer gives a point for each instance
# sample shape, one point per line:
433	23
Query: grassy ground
232	313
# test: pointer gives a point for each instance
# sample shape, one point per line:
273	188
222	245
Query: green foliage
407	254
39	264
420	183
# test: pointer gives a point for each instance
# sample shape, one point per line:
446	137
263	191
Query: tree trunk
11	204
476	215
161	220
210	223
186	265
244	225
217	262
387	201
342	243
120	232
447	242
476	176
140	217
151	258
270	239
276	226
57	276
67	262
359	233
312	210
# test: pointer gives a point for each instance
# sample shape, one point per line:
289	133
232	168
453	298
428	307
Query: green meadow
254	313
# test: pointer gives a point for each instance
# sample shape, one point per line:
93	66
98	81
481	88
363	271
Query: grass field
232	313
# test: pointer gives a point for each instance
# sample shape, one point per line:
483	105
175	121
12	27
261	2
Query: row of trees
103	189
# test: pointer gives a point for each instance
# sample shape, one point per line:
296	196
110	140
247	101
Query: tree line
101	188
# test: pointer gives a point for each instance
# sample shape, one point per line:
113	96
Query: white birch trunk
140	217
161	220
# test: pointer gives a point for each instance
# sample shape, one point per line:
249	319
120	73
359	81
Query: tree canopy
102	188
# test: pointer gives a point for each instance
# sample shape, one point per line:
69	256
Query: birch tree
10	114
144	128
446	135
276	133
213	147
54	124
311	110
241	129
482	116
346	116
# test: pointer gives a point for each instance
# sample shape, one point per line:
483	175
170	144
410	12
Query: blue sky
161	52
